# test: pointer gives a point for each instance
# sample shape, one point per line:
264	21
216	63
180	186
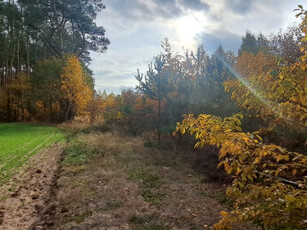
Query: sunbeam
257	94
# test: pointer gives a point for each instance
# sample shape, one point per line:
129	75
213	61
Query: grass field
20	142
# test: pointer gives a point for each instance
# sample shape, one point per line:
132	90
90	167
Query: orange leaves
279	89
303	47
250	65
223	213
269	183
208	128
74	87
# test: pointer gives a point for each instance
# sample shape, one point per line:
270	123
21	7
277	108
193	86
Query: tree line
196	82
39	39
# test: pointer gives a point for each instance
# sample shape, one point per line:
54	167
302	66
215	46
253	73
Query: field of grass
20	142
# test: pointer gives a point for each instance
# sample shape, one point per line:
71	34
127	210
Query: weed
78	152
141	219
23	202
220	196
151	197
96	128
147	222
147	179
154	226
149	182
148	144
79	218
113	204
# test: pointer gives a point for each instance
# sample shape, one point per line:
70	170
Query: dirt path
123	185
27	200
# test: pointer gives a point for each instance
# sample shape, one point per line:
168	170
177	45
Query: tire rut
29	198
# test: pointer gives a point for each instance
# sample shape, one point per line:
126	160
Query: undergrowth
147	222
149	184
78	151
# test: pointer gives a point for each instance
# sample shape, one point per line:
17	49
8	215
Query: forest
245	111
42	42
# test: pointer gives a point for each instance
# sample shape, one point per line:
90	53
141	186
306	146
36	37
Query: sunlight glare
273	108
188	28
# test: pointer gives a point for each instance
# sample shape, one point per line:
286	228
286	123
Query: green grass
149	183
147	222
219	195
78	151
149	180
19	142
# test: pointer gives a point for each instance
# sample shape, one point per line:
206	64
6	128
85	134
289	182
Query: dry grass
120	184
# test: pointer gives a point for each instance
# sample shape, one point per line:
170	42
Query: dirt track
28	199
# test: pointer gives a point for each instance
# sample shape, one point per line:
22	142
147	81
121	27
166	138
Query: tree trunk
51	112
159	121
18	53
60	30
36	40
13	51
68	110
28	55
45	51
8	107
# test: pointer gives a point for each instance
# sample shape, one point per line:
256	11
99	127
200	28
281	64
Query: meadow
20	142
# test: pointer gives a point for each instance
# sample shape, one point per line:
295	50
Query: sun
188	27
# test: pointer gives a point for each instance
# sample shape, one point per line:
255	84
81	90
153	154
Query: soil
28	199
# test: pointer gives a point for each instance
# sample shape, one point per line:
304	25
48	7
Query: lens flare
257	94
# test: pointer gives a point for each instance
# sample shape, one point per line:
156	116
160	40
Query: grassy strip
78	151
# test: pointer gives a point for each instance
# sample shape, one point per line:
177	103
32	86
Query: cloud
136	10
167	8
117	69
240	6
136	28
110	89
228	40
129	9
195	4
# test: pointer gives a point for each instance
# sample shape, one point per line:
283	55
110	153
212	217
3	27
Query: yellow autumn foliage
74	87
269	182
279	90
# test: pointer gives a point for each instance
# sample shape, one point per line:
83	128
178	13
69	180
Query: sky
136	29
